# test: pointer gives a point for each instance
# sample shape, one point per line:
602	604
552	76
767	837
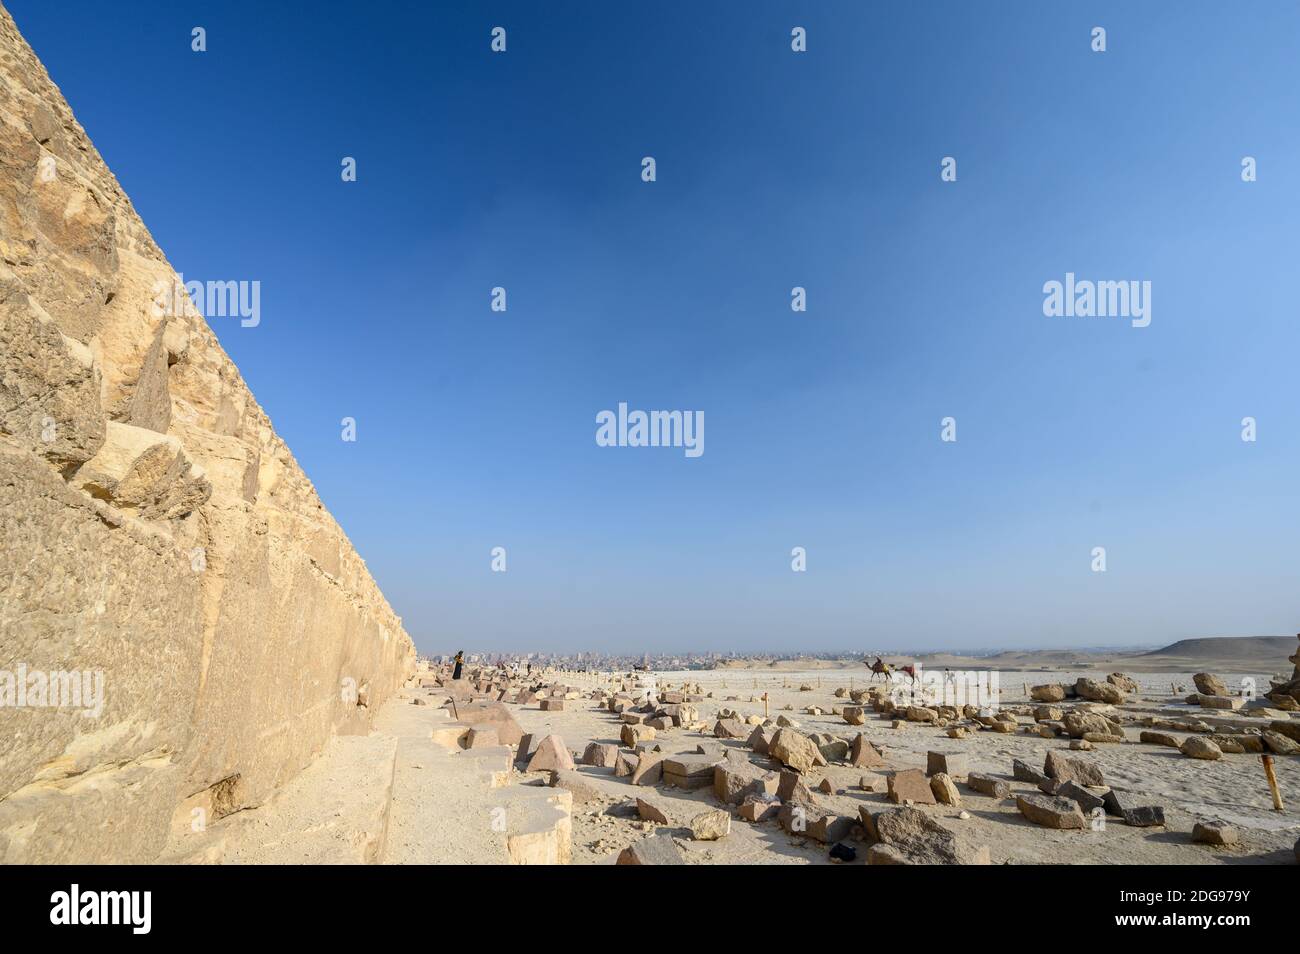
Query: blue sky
476	429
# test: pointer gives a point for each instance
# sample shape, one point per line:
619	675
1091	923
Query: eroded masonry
183	625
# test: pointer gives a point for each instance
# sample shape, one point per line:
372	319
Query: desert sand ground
1232	789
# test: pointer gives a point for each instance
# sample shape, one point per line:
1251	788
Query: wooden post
765	705
1272	782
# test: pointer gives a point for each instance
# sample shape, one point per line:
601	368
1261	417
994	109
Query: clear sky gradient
476	429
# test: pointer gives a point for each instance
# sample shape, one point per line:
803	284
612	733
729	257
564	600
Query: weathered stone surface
1066	769
155	528
633	735
862	754
1086	800
1199	747
1125	683
1022	771
626	763
945	791
988	785
910	785
711	825
649	769
730	729
950	763
652	810
1289	729
1098	691
1050	811
1079	724
551	756
1209	684
1279	744
756	808
795	749
1232	703
578	785
1144	816
600	754
655	850
1214	832
913	837
791	787
1158	738
1050	692
733	781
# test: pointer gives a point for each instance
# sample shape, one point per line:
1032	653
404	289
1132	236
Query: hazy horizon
776	169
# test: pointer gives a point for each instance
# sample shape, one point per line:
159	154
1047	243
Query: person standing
459	661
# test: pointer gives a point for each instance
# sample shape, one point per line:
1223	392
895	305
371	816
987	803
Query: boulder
988	785
626	763
795	750
1050	811
1279	744
600	754
711	825
730	729
1081	724
578	785
689	771
551	756
1199	747
734	782
1085	799
649	769
1051	692
862	754
1022	771
1066	769
950	763
655	850
1215	832
760	739
1097	691
1210	685
652	810
756	808
791	787
1124	683
910	785
912	837
632	735
1158	738
945	792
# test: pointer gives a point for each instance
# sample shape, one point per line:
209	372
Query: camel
882	668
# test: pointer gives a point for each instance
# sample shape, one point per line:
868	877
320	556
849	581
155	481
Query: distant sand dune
1230	647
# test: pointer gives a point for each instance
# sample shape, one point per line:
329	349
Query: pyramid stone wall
155	533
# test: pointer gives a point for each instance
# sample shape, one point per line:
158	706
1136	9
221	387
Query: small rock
711	825
1199	747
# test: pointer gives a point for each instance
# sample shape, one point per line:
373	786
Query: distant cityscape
604	662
